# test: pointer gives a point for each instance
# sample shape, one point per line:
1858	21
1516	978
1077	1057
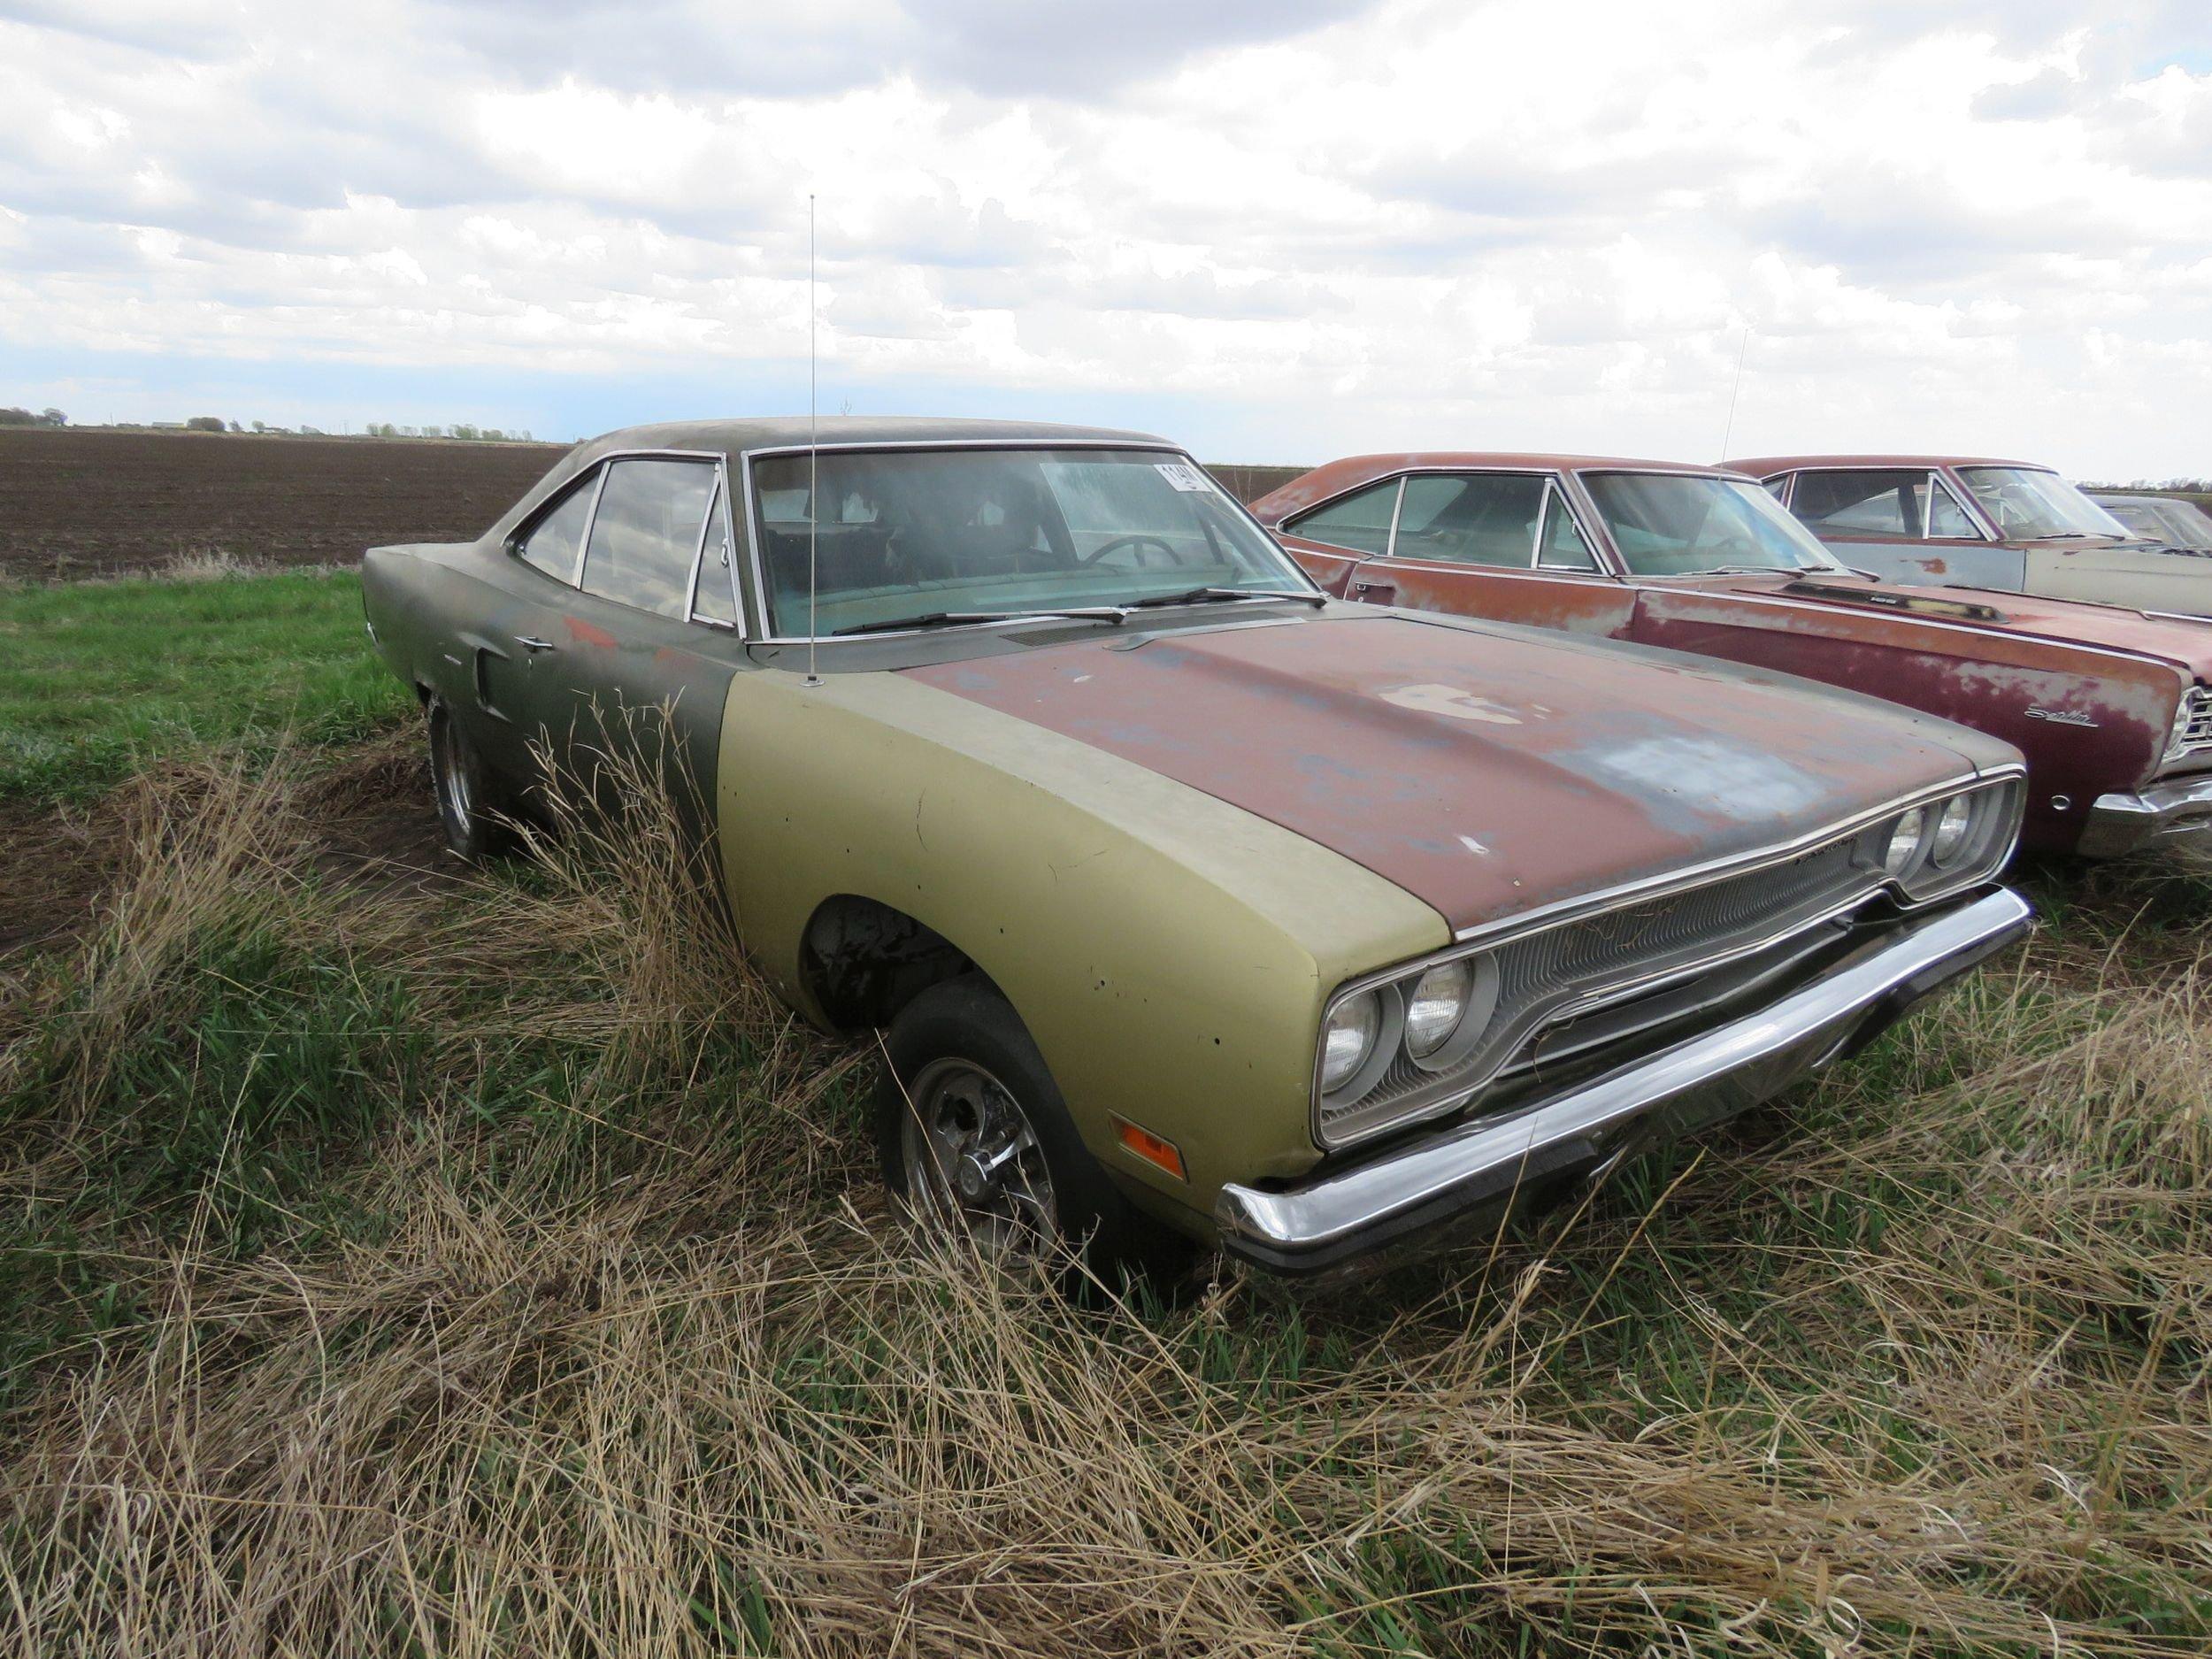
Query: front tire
975	1140
467	800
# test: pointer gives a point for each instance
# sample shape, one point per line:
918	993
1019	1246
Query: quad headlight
1942	845
1389	1047
1348	1039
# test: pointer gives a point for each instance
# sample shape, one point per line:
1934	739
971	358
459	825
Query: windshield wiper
1213	595
1115	614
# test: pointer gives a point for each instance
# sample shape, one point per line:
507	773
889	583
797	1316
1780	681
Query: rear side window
1359	523
558	539
645	535
1472	518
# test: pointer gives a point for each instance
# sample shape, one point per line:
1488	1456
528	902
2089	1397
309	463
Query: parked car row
1309	896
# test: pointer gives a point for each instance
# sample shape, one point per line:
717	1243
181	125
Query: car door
1500	544
511	670
1907	524
652	621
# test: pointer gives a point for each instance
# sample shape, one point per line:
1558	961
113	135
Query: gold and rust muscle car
1194	904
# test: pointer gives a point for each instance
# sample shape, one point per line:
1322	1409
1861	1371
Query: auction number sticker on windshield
1182	475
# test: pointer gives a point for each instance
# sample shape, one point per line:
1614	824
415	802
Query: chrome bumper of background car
1383	1202
2122	823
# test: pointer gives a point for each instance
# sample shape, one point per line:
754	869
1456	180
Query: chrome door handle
524	641
1374	588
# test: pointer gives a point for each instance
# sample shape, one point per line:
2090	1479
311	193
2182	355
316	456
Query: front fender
1169	953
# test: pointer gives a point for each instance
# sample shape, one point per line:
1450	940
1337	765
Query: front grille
1563	971
2193	732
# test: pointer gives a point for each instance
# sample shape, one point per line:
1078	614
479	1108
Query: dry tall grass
639	1365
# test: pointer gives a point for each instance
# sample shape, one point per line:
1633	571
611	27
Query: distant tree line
25	418
459	429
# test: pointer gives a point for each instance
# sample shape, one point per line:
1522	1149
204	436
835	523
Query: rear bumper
1422	1186
2124	822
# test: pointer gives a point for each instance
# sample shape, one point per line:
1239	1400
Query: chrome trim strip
699	550
1740	864
591	523
1156	446
1419	1185
2123	823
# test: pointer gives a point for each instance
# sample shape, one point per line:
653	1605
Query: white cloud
1297	229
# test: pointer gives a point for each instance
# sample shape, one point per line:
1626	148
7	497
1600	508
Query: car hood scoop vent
1881	599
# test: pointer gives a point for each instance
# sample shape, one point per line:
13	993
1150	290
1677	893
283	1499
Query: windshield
1668	524
2026	504
908	532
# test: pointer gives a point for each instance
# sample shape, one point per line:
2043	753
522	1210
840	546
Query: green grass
97	678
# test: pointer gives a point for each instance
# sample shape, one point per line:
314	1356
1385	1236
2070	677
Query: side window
1563	548
1471	518
1946	517
557	541
1779	488
1862	503
646	534
1359	523
717	598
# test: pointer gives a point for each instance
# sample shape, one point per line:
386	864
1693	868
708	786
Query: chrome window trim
605	464
1154	446
737	599
1620	559
593	478
1556	486
1982	525
1600	548
699	548
1358	556
1546	480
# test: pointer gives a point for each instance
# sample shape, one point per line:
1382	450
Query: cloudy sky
1277	229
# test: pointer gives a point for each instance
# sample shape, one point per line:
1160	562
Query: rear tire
973	1137
468	799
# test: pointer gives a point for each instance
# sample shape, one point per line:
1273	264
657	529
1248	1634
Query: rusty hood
1484	768
2183	641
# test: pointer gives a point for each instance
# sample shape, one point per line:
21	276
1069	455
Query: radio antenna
1728	435
812	456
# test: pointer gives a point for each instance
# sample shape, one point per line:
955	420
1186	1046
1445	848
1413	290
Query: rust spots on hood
1486	769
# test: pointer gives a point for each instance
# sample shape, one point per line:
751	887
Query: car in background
1195	905
2008	526
2171	521
2112	710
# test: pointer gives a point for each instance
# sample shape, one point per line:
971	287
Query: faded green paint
1169	953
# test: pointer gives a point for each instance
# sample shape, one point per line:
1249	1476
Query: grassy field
400	1260
98	678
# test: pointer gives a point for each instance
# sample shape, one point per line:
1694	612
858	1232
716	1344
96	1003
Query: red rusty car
2110	707
1961	521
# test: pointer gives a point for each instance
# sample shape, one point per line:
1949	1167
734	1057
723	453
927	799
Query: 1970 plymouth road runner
2005	526
1198	906
2110	707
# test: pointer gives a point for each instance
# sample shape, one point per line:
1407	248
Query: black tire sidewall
967	1018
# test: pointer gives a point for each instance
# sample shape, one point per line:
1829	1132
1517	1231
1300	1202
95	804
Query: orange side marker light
1148	1146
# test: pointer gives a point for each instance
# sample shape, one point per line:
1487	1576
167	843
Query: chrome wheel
973	1160
456	793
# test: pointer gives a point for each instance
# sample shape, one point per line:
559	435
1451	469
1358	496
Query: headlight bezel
1994	808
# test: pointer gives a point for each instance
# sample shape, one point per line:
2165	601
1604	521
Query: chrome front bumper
1415	1188
2123	823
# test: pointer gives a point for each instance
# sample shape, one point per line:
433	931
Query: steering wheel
1165	546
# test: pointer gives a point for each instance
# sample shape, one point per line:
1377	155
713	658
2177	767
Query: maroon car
2110	707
